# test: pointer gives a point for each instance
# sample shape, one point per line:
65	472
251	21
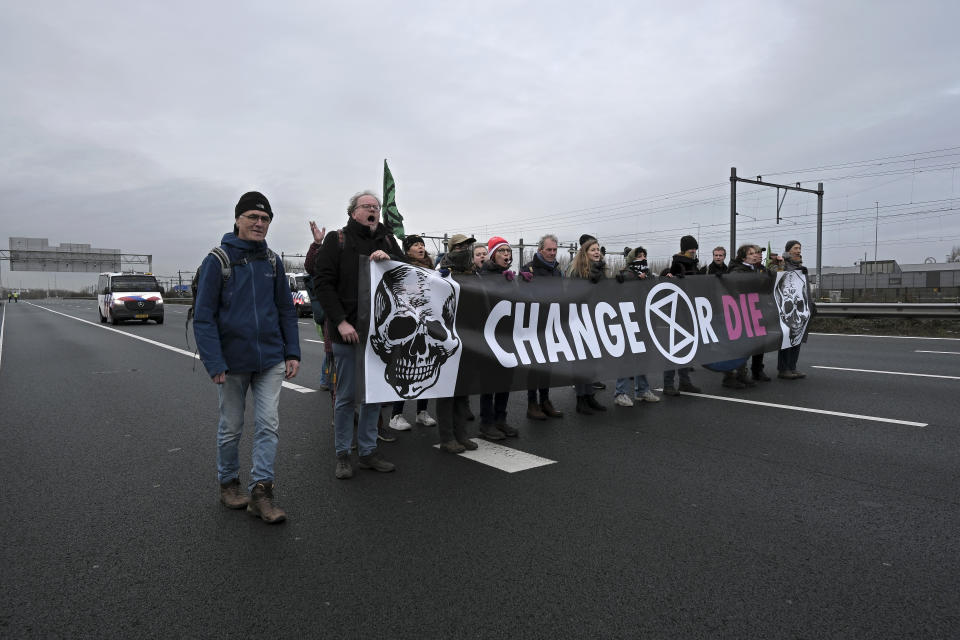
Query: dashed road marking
867	335
952	353
503	458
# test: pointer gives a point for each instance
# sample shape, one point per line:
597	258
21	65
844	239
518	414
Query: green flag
766	262
392	219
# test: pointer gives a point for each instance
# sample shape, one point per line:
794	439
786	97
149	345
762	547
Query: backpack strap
226	269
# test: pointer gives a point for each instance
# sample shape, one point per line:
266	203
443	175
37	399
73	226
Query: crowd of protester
332	262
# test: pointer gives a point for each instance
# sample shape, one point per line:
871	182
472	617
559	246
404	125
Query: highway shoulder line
891	373
184	352
867	335
806	409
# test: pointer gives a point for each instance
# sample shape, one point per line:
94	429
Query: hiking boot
387	434
344	468
549	410
506	429
490	432
593	404
583	407
232	495
399	423
798	374
452	446
786	375
689	387
375	462
647	396
468	444
534	412
622	400
426	419
760	376
599	386
261	504
670	391
730	381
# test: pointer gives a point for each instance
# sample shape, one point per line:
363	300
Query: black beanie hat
687	243
585	238
252	201
409	241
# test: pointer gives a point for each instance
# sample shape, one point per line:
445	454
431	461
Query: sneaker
798	374
400	423
622	400
490	432
786	375
506	429
232	495
344	468
452	446
425	419
387	435
375	462
261	504
599	386
647	396
689	387
670	391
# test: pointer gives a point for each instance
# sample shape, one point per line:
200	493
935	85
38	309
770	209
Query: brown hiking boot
549	410
232	496
468	444
452	446
534	412
261	503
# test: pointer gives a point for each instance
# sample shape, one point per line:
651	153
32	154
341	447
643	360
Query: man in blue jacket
246	332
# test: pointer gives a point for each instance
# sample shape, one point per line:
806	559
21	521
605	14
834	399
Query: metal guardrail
888	310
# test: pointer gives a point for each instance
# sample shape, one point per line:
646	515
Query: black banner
429	337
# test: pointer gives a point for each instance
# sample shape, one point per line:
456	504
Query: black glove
620	278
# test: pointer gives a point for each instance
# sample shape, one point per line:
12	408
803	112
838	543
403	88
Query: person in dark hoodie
337	283
635	270
246	331
588	264
417	255
543	265
493	406
683	264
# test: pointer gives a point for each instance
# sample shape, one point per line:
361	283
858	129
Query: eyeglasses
254	217
369	207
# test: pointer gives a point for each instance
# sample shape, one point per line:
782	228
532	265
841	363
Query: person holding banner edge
338	275
787	358
587	264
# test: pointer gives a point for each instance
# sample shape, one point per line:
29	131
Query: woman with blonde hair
588	265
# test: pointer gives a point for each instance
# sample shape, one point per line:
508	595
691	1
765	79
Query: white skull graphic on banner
414	333
794	308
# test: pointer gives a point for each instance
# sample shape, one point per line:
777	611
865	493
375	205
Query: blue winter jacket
248	323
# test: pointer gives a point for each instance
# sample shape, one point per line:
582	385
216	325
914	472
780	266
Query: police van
129	296
301	296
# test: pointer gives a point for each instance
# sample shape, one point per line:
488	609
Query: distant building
888	281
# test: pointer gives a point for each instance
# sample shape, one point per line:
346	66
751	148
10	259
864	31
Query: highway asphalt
821	508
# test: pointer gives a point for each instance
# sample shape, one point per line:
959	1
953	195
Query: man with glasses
245	327
337	282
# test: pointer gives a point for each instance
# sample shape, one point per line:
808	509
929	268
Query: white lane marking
806	409
867	335
503	458
952	353
288	385
892	373
309	340
3	325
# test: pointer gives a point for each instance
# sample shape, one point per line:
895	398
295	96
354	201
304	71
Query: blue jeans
641	385
344	355
266	396
622	384
669	375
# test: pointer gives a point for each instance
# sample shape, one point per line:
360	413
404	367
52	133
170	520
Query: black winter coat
539	268
683	266
338	269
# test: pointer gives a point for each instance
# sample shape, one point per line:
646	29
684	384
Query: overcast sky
137	126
